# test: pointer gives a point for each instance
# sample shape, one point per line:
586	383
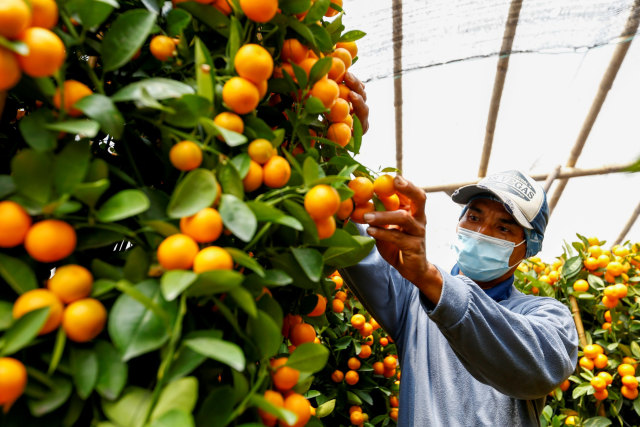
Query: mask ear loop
525	255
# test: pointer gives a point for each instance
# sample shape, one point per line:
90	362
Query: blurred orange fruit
14	223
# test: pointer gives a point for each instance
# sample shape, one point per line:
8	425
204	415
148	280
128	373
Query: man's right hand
403	244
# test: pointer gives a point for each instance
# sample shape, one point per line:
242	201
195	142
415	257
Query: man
473	350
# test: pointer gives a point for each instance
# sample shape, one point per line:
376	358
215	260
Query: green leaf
181	394
32	174
580	390
353	35
597	422
230	180
71	166
234	41
313	105
233	139
311	262
326	408
317	11
301	29
125	204
259	127
241	257
204	70
172	418
291	267
90	192
34	131
310	233
309	357
245	300
311	171
292	7
102	109
196	191
91	13
17	274
131	409
137	265
187	110
53	398
241	162
84	128
265	333
283	414
112	371
353	399
7	186
84	370
572	267
264	212
6	317
174	282
125	36
210	16
23	331
134	328
215	282
177	21
222	351
357	134
320	69
217	407
237	217
156	88
322	38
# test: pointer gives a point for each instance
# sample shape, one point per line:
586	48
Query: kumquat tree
601	286
214	141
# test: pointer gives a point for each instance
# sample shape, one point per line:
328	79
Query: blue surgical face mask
483	258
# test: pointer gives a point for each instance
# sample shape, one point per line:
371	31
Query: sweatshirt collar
499	292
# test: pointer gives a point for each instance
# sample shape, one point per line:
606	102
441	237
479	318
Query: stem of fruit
262	374
168	358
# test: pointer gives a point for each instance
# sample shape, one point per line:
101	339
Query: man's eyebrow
475	209
509	220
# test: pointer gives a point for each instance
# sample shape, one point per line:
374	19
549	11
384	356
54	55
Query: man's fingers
401	218
355	84
361	109
413	193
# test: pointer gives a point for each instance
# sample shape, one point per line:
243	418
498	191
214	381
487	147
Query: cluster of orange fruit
284	379
30	23
594	357
49	241
330	88
82	319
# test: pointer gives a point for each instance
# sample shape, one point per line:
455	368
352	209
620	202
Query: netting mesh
442	31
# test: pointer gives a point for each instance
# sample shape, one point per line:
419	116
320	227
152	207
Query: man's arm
524	353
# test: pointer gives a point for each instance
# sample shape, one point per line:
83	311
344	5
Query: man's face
490	218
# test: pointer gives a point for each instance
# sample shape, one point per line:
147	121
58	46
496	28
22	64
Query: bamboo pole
628	225
550	178
606	83
575	310
398	39
3	100
498	84
563	173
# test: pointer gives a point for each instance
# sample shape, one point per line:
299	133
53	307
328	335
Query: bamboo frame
550	178
498	84
563	173
398	39
628	225
631	27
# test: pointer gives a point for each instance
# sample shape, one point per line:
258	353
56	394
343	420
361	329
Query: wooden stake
398	102
628	225
3	100
563	173
575	310
498	84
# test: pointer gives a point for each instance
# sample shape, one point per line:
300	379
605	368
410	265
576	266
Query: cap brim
463	194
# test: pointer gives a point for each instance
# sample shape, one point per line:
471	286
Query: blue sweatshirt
469	360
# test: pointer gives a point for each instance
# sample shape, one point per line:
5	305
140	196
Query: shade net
437	32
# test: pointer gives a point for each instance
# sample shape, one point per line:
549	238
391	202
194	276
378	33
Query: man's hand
358	99
403	244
